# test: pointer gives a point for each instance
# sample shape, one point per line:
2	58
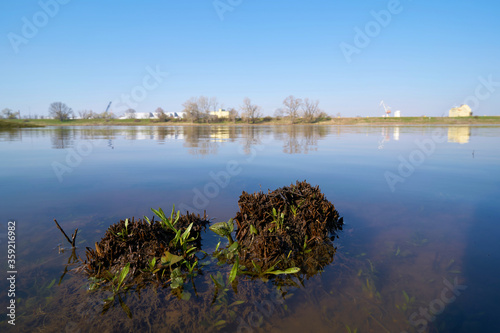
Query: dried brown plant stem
73	236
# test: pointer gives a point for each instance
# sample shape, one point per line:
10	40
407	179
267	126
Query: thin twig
73	236
58	226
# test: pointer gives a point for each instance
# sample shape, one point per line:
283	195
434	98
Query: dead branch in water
73	236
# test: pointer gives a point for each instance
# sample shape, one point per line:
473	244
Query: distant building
397	114
176	115
138	115
221	113
463	111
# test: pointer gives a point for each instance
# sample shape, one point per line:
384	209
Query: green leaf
110	298
253	230
51	284
219	323
230	225
186	295
123	274
234	270
407	298
233	247
236	303
125	307
216	282
187	231
177	278
257	267
152	263
221	229
159	213
291	270
170	259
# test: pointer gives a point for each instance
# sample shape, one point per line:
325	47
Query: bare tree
59	110
206	105
278	113
291	107
8	113
160	113
130	113
250	111
310	109
233	114
191	109
85	114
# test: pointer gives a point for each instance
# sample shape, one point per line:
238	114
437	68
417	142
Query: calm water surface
419	251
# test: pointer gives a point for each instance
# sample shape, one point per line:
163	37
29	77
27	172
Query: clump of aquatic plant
280	229
151	248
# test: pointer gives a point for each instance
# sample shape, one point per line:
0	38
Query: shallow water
420	206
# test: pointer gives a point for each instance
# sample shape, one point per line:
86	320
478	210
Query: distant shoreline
378	121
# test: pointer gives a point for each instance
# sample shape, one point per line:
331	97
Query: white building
139	115
463	111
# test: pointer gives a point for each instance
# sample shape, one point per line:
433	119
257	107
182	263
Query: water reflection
391	260
206	140
11	135
300	140
63	138
459	134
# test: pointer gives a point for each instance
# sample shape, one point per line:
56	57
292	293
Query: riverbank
493	120
9	124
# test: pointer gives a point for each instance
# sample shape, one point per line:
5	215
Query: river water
418	251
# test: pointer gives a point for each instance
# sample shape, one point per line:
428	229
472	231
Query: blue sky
426	57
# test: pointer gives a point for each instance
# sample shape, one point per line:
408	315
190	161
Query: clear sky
420	57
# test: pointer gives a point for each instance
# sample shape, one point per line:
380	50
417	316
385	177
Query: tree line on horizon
199	110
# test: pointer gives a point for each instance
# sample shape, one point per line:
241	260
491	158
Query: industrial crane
107	108
386	108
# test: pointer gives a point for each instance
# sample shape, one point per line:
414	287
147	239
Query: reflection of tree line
206	140
296	139
300	139
200	140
